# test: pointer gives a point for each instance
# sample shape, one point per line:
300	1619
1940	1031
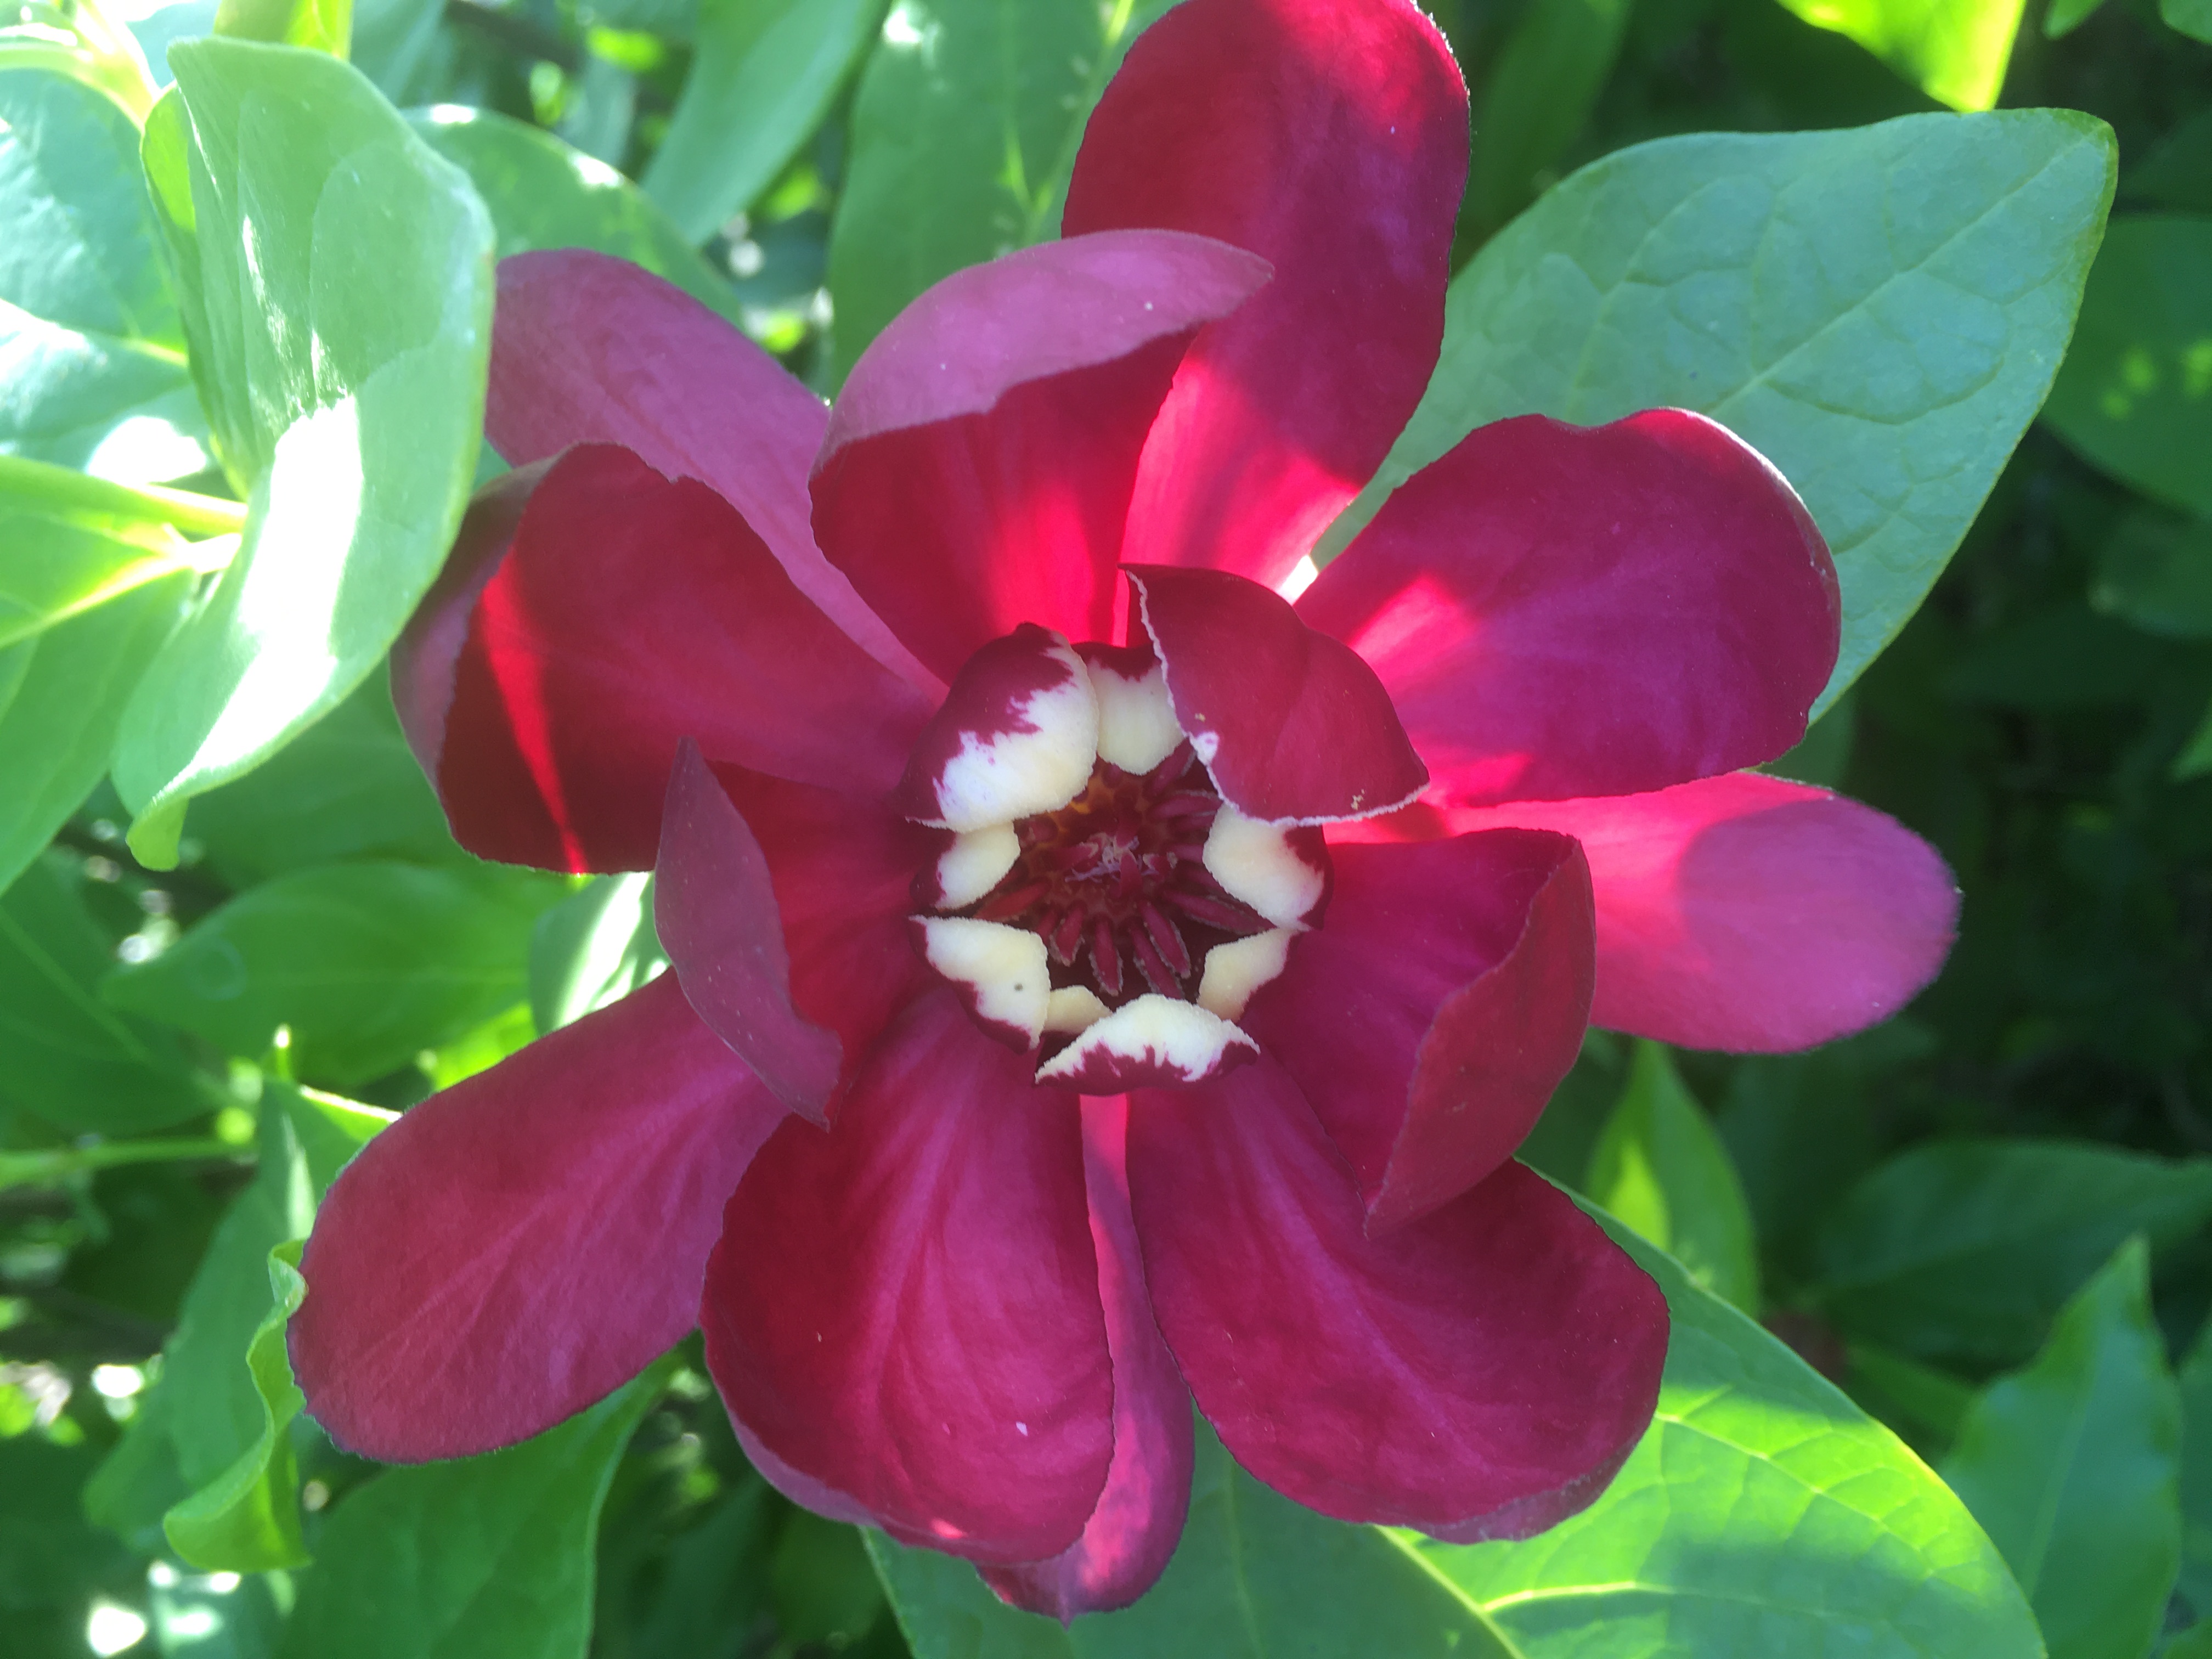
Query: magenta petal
1751	914
514	1247
903	1312
1429	1021
1480	1372
977	468
783	910
594	612
1291	723
1562	611
1330	137
1130	1536
589	348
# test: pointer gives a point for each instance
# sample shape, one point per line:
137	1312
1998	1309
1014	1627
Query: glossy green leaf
65	1056
346	788
2155	571
1879	311
337	281
762	75
1764	1513
1965	1250
1660	1168
88	328
2136	395
544	193
1540	91
486	1558
65	702
1256	1575
964	132
317	25
62	559
595	946
2196	1473
2191	17
1955	51
369	964
2070	1466
245	1516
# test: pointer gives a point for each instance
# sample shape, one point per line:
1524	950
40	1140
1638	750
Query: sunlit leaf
317	25
1879	311
595	946
336	276
1955	51
2070	1465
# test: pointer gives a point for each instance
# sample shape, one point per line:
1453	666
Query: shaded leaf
2195	1474
1540	91
2155	571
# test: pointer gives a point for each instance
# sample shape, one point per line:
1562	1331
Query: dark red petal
1132	1534
1562	610
514	1247
978	464
544	685
1747	913
588	349
1429	1021
783	909
1479	1373
904	1311
1290	722
1330	137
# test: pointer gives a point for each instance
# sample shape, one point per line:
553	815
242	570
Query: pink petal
512	1249
1132	1534
1330	137
1747	913
903	1312
1291	723
588	349
977	468
1429	1021
592	614
783	909
1479	1373
1562	611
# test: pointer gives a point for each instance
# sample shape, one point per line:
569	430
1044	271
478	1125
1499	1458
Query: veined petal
904	1312
595	612
1016	735
782	907
1745	912
1292	726
1429	1021
977	467
589	348
516	1247
1125	1543
1562	611
1480	1372
1329	136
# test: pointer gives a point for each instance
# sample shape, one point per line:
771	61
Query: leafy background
235	934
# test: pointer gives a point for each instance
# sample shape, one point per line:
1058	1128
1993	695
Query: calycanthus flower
1100	981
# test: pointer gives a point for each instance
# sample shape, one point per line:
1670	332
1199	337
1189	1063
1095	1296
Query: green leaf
2155	571
2196	1473
61	558
2136	394
2195	759
1764	1513
88	328
1879	311
2064	16
1660	1168
336	282
762	75
348	787
1964	1250
1955	51
595	946
964	132
486	1558
65	1055
544	193
369	964
2070	1466
2194	1642
1542	89
2191	17
58	722
51	1562
1255	1575
317	25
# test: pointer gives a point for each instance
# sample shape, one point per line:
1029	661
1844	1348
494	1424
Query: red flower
1059	1031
